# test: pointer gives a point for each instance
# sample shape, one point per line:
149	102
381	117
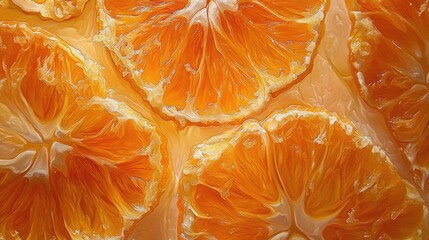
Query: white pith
287	212
207	13
31	148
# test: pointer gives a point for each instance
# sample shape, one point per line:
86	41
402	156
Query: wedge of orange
301	174
53	9
73	163
390	54
211	61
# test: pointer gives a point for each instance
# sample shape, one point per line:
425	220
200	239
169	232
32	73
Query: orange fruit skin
390	56
218	70
302	172
74	162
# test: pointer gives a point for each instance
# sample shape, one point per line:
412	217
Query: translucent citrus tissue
214	119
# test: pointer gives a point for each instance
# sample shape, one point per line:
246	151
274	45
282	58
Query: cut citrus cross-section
73	164
390	54
302	173
215	60
54	9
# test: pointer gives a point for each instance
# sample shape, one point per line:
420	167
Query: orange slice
73	164
302	174
211	61
53	9
390	54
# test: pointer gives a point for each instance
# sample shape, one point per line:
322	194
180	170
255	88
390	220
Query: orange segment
88	165
207	61
58	10
100	128
301	173
389	51
36	203
87	210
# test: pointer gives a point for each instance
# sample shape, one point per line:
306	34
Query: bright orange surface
92	186
73	162
299	172
390	54
211	61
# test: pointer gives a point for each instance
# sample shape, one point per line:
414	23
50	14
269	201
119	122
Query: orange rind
74	163
302	173
210	61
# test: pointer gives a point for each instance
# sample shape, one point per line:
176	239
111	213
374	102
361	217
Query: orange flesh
57	10
225	57
327	85
305	172
89	164
393	61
